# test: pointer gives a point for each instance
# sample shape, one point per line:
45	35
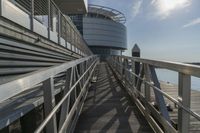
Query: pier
51	81
171	89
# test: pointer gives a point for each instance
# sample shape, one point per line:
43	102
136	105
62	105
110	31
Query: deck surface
172	90
108	108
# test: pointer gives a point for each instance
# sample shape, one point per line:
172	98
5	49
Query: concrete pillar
136	53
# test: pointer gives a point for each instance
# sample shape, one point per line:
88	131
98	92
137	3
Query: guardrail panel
147	76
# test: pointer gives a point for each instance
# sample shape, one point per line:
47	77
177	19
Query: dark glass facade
104	35
78	21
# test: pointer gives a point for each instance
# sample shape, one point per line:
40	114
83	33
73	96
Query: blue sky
163	29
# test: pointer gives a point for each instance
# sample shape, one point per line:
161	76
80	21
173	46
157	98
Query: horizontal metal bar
140	106
15	63
188	69
40	128
70	115
194	114
14	56
35	78
43	46
10	71
21	50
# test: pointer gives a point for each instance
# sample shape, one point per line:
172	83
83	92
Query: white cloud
164	8
136	7
192	23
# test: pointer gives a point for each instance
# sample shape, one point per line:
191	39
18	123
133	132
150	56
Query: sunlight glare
172	4
165	7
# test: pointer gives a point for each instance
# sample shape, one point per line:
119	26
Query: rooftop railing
47	20
140	87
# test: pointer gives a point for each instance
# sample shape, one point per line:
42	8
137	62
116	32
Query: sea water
172	77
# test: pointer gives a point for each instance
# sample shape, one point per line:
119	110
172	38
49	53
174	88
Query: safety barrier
74	78
126	69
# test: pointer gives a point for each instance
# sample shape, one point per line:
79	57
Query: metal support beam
32	15
159	97
75	79
65	105
133	70
139	81
49	19
184	94
148	79
1	8
49	103
125	70
121	64
59	26
161	117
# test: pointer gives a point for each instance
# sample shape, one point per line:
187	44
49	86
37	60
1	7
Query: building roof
113	14
72	6
136	48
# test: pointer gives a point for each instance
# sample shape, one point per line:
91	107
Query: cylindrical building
103	29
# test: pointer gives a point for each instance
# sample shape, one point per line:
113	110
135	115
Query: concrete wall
102	32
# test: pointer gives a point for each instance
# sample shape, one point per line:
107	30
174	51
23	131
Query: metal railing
75	78
58	24
126	69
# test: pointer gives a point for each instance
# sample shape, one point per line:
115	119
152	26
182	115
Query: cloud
164	8
192	23
136	7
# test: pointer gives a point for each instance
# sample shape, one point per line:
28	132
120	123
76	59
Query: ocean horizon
172	77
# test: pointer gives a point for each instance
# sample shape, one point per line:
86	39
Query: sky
163	29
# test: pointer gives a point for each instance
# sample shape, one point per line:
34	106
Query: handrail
74	80
52	113
194	114
115	14
32	79
126	69
189	69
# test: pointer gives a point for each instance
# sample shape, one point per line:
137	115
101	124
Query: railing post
184	92
125	70
49	103
113	61
59	26
32	14
120	66
65	105
133	71
1	8
49	19
148	79
117	65
139	81
159	96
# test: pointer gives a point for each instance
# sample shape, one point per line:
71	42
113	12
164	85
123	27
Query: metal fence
48	14
140	86
74	78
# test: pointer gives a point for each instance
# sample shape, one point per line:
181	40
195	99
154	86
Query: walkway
108	108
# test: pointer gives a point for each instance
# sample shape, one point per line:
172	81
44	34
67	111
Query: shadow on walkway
108	108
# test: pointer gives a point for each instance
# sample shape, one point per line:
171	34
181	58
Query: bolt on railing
125	70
